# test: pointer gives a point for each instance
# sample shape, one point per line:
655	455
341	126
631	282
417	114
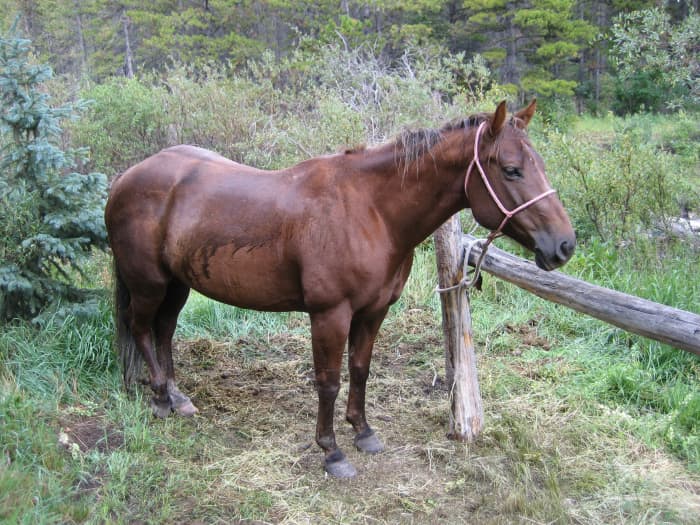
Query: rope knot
466	283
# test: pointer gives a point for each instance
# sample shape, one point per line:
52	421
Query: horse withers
333	236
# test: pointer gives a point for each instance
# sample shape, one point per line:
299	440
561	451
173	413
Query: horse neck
415	199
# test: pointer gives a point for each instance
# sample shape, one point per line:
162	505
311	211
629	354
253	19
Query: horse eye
512	173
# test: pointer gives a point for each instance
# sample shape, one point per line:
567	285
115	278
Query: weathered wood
662	323
467	414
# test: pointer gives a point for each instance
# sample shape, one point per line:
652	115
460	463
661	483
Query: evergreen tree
50	216
534	43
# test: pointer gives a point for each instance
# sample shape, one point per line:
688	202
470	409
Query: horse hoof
186	409
341	468
368	442
159	410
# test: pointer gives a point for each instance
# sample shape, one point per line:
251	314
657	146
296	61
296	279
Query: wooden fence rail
663	323
656	321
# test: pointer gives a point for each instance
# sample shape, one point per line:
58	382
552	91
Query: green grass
584	422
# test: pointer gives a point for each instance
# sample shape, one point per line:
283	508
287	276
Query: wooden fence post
467	413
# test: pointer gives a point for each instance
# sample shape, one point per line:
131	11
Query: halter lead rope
508	214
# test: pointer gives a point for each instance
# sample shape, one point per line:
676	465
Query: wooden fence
675	327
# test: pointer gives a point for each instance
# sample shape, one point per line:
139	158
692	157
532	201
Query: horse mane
412	144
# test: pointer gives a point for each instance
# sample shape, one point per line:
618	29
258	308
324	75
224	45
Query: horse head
509	193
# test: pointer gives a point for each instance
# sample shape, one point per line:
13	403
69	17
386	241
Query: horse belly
254	277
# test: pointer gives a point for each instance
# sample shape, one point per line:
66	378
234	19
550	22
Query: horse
333	236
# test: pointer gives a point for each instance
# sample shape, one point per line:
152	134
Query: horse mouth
542	262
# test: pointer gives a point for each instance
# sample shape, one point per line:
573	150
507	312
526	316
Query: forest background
584	423
593	54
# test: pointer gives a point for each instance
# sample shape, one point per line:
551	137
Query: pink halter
508	213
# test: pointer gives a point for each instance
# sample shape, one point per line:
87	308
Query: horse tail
131	358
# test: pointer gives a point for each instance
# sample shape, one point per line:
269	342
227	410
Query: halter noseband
508	213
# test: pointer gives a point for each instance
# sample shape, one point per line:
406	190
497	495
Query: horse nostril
566	249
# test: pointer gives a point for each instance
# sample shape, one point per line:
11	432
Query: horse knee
328	390
359	373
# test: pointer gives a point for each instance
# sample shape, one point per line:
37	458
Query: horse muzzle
554	251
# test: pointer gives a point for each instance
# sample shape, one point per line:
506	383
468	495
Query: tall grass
62	359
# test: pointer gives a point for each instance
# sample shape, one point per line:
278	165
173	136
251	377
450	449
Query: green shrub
653	59
125	124
616	190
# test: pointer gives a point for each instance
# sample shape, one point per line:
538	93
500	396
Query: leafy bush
654	61
125	123
274	113
618	189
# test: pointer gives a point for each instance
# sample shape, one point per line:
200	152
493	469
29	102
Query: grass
578	428
584	423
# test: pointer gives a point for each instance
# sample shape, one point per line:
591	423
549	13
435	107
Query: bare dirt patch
89	433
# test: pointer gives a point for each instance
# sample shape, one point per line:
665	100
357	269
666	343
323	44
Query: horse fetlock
356	417
327	443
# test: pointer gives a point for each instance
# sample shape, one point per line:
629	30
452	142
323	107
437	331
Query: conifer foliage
50	215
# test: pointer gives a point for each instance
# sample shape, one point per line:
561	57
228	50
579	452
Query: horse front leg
329	332
363	332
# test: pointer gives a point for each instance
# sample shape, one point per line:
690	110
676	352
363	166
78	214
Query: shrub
618	189
654	60
273	113
125	123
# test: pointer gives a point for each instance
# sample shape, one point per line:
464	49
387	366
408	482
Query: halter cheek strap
508	214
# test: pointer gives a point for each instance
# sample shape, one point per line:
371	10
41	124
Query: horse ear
498	119
526	114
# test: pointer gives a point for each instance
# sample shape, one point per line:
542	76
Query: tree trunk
128	58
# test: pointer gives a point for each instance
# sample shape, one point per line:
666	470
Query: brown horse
332	236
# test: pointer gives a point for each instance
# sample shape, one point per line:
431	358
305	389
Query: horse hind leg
143	309
165	324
